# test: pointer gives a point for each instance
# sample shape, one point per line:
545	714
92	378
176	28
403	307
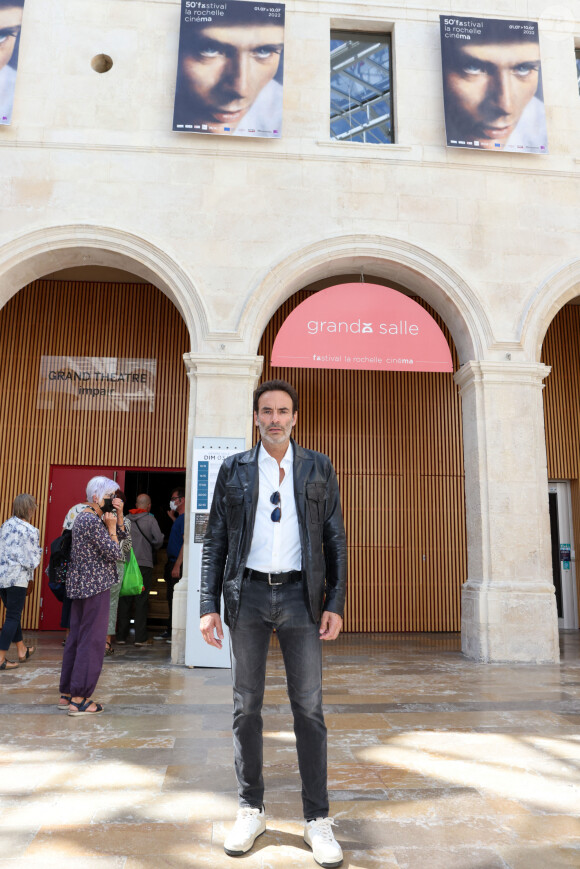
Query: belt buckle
273	583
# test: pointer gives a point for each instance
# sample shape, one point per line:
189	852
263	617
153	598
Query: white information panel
208	455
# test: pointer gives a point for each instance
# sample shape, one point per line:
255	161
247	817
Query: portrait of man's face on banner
230	68
492	85
10	25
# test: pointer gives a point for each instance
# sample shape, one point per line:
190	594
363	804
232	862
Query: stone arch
445	291
42	251
405	263
558	288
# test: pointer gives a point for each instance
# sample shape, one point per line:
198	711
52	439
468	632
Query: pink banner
364	326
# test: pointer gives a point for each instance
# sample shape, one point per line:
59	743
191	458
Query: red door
67	488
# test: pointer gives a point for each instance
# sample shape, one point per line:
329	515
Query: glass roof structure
360	87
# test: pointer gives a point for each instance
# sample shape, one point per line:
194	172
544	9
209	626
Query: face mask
172	505
107	505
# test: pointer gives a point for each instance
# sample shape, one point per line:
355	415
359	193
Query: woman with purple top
92	571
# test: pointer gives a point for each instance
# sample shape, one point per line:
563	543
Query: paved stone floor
435	762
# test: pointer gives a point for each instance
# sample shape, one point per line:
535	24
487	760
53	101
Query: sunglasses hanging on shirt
276	514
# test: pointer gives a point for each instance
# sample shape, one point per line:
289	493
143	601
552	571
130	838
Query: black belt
274	578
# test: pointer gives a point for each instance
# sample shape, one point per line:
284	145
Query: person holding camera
92	570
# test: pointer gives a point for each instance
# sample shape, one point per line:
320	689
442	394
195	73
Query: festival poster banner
361	326
98	383
10	26
492	84
230	69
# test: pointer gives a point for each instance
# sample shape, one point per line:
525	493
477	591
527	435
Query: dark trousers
138	603
170	583
263	608
13	599
65	613
82	659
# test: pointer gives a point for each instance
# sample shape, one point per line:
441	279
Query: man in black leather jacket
275	548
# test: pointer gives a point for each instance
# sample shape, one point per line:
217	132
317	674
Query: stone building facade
229	228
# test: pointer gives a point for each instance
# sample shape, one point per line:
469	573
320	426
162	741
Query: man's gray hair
23	507
100	486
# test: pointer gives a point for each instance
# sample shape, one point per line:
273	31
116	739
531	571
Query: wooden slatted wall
561	350
395	439
73	318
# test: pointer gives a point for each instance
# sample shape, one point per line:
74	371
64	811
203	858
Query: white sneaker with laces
325	849
250	823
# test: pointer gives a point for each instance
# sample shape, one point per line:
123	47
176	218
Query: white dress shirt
275	545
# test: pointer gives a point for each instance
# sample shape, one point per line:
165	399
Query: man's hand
176	569
330	625
210	623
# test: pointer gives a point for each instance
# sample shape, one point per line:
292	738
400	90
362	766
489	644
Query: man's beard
278	437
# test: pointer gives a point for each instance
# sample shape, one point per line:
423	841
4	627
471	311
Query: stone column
508	603
220	404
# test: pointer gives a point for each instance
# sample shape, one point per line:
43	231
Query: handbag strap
136	521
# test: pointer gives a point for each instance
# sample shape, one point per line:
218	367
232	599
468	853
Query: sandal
109	650
82	708
30	650
8	665
66	705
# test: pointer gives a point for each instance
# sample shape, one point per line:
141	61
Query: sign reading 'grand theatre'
96	383
363	326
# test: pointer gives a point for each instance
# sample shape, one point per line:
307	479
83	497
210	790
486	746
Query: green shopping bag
132	579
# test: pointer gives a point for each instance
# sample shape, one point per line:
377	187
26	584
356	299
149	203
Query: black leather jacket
228	538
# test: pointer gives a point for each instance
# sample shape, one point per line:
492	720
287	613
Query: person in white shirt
10	24
20	553
275	547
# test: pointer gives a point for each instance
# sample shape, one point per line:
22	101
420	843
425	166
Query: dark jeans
82	659
13	599
170	584
140	603
263	608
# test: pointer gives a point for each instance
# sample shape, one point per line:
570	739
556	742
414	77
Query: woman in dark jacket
92	571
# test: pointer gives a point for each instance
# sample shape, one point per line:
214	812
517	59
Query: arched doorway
118	296
560	350
395	439
549	330
57	324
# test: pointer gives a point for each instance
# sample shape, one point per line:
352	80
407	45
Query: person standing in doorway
174	565
275	547
147	537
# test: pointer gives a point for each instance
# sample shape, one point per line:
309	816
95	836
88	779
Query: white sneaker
250	823
325	849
